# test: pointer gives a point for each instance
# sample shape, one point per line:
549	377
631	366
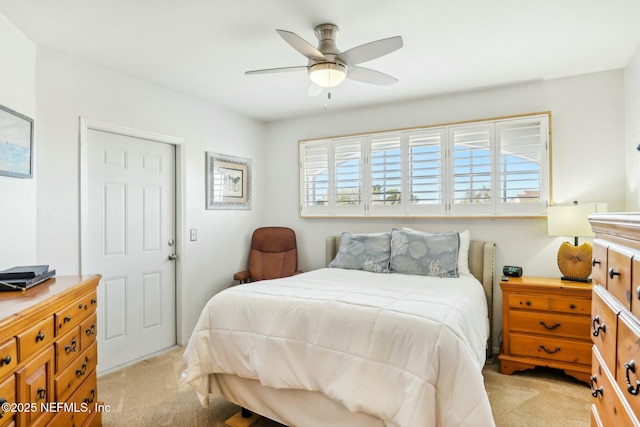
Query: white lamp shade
572	220
327	74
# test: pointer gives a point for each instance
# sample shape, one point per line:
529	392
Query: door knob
172	256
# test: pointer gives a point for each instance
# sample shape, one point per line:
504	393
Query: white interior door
130	235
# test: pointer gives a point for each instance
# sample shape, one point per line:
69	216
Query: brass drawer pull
595	391
549	351
552	327
631	367
596	330
5	360
613	273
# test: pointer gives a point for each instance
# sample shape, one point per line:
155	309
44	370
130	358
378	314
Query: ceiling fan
328	67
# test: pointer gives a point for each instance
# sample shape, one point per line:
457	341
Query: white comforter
406	349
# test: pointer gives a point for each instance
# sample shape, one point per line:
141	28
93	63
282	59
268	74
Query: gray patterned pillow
425	254
369	252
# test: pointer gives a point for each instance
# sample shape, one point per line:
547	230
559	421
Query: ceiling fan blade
277	70
301	45
367	75
369	51
314	89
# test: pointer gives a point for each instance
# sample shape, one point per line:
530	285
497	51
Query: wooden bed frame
270	402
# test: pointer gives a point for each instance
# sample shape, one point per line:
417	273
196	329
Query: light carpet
152	393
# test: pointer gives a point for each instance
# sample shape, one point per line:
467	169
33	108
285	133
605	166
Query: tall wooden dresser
615	324
48	354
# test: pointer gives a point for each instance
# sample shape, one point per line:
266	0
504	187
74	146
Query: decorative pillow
463	252
369	252
426	254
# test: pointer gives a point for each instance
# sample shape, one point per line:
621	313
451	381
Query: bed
345	347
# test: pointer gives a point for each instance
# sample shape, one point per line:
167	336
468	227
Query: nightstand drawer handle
550	327
631	366
594	262
613	273
596	330
528	302
595	391
549	351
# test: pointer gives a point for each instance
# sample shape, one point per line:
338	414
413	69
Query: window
490	167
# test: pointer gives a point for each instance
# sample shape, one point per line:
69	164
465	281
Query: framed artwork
228	182
16	144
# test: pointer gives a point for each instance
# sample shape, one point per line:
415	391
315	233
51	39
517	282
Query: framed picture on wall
16	144
228	182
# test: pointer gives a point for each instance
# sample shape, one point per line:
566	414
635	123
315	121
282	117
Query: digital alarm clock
512	271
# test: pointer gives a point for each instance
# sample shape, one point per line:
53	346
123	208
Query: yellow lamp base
574	262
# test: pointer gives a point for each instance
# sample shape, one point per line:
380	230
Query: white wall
632	125
69	88
17	196
588	130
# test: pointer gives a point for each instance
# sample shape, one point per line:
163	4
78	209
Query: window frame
445	206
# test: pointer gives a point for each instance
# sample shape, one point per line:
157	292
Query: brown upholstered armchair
273	254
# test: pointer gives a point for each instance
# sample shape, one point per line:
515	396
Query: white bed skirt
289	407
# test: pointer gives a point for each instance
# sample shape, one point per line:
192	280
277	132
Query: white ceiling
203	47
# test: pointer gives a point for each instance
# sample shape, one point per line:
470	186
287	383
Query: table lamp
574	261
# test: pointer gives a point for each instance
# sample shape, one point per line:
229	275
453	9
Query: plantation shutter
349	174
522	160
314	176
386	194
471	163
426	171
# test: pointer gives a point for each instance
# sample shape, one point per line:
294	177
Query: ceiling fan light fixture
327	74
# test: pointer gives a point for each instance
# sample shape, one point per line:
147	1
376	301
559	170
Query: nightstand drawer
529	302
570	305
554	324
551	348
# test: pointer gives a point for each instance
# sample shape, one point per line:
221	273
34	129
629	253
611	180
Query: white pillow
463	252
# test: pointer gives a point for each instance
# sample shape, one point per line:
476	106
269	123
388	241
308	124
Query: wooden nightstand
546	322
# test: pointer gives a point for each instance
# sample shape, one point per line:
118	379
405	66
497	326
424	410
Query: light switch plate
194	234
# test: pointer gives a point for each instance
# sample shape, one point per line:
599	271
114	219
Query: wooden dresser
48	354
546	322
615	328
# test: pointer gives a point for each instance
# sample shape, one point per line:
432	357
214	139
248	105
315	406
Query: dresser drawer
8	356
35	339
628	360
599	262
69	380
84	399
88	331
635	285
67	348
604	320
8	395
549	348
71	316
570	305
554	324
611	407
619	274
